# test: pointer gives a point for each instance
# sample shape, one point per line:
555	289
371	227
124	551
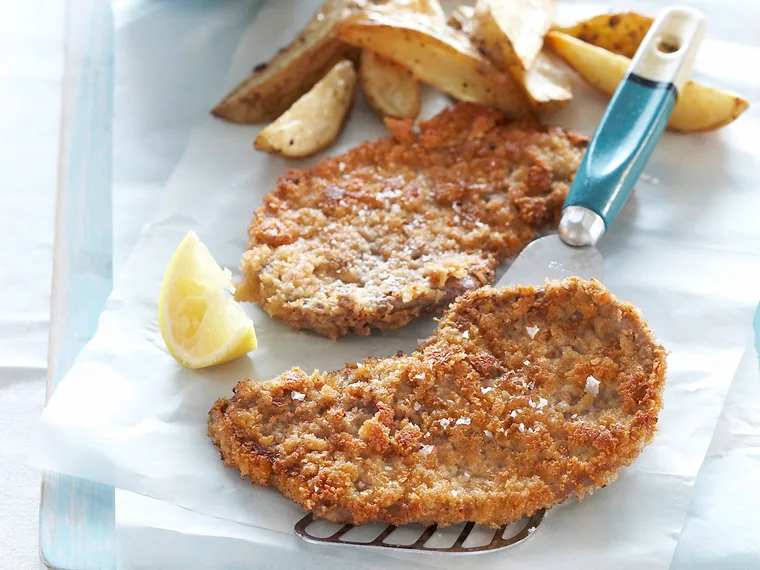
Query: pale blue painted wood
77	516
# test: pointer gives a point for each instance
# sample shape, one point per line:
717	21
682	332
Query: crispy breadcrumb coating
401	226
488	420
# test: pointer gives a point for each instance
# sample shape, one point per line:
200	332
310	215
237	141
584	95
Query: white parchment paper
684	250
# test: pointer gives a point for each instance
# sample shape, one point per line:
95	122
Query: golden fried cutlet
522	398
399	227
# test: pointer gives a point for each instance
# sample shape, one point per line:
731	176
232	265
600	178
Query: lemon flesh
200	322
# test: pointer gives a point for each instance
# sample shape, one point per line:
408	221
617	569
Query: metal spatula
622	144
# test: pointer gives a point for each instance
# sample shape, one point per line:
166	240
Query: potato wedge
511	32
619	33
315	120
389	88
461	18
274	86
435	54
546	84
699	107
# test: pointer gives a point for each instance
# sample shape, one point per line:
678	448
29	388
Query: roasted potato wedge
314	121
275	86
435	54
389	88
511	32
619	33
461	18
699	107
545	83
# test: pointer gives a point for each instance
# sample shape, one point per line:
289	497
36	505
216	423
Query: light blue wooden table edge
77	517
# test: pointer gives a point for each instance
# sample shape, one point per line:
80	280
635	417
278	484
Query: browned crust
398	227
355	448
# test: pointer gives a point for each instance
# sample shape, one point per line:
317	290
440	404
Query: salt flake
592	386
416	406
445	422
513	413
426	449
532	331
297	395
521	427
463	421
486	389
487	433
454	492
466	334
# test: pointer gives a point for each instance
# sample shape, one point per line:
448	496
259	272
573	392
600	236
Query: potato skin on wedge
699	107
314	121
620	33
275	86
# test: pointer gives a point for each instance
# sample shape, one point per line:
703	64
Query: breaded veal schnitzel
522	398
401	226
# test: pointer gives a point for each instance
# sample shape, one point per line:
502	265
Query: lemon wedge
200	322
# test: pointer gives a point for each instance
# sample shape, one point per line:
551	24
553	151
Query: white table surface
31	69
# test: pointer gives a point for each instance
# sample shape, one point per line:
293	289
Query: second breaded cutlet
522	398
399	227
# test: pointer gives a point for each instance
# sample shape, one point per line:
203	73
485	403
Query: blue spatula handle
632	125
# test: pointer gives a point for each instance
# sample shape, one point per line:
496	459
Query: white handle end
668	51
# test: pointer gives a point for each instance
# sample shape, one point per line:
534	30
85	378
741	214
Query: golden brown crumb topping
522	398
399	227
